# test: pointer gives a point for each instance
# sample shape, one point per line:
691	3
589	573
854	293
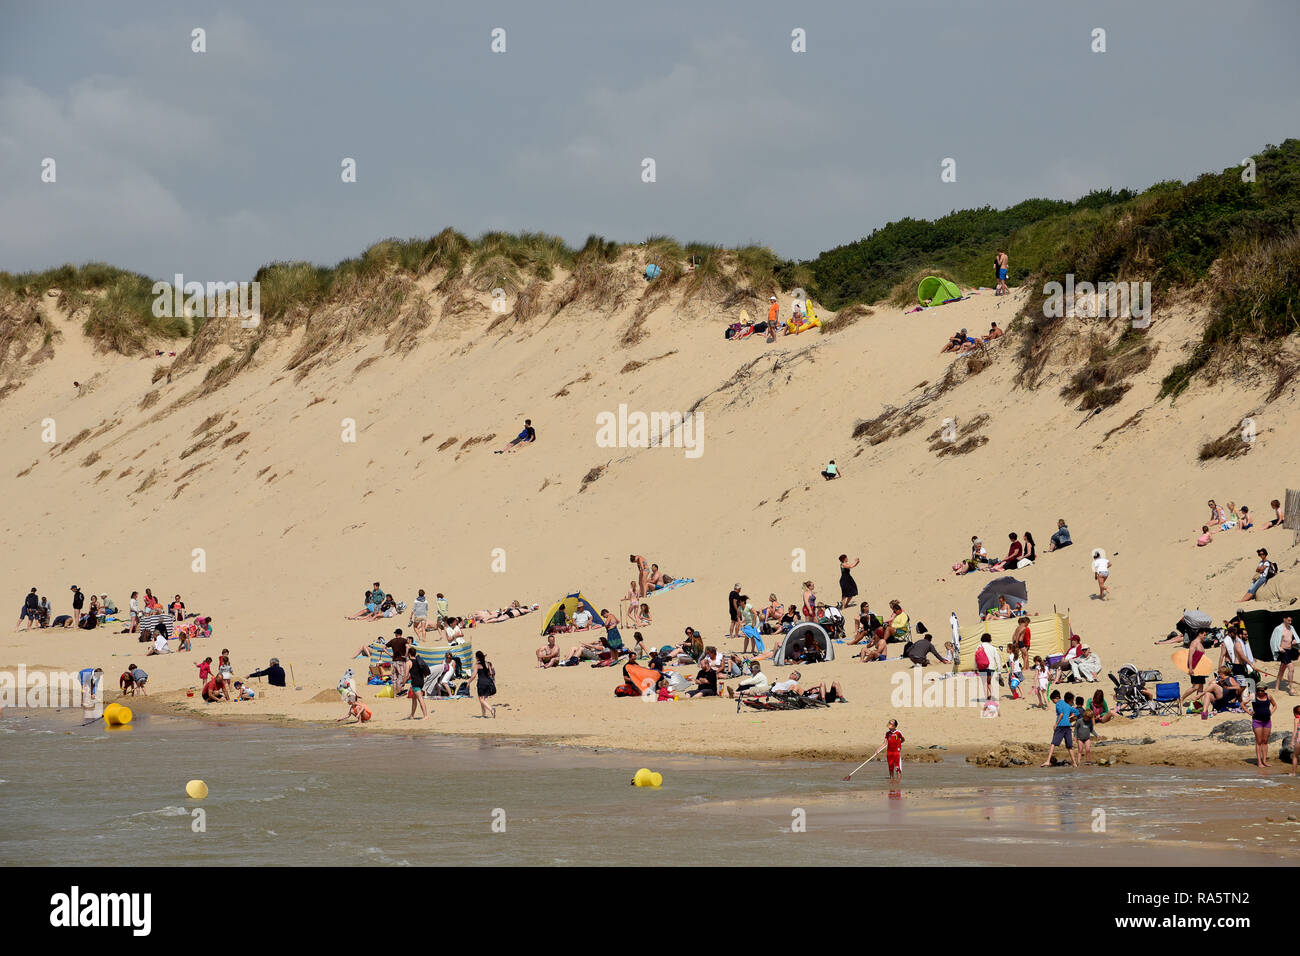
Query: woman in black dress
848	587
485	683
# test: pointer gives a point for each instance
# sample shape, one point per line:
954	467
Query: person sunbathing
955	343
369	613
510	613
827	695
1278	516
874	647
587	651
548	655
1220	694
657	579
994	333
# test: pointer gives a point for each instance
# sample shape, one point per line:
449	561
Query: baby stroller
1129	699
832	622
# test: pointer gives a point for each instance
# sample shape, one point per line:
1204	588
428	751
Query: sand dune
294	522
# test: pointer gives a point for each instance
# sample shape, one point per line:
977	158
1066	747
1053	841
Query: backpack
981	658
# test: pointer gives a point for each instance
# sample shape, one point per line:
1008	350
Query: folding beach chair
1167	700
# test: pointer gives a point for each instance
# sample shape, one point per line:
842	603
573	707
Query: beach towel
678	583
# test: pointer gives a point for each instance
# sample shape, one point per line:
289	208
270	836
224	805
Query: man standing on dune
773	311
1003	266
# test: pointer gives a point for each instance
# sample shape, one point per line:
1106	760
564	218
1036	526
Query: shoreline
1126	751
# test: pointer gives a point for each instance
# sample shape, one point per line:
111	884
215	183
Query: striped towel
154	622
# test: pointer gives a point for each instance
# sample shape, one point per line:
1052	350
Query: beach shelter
640	680
1259	629
792	644
1013	590
936	291
1049	635
562	611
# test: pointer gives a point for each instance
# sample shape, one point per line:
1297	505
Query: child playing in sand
355	709
894	751
664	693
1206	536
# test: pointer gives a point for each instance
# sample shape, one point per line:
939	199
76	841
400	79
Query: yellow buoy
196	789
656	779
642	778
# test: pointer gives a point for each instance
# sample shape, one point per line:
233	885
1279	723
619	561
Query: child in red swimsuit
894	750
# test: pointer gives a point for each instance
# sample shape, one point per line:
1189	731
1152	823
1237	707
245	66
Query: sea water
83	795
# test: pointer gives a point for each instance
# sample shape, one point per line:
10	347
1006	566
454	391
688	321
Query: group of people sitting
962	342
1022	552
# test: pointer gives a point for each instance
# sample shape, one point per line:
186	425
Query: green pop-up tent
936	291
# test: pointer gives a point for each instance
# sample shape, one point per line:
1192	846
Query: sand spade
292	678
865	762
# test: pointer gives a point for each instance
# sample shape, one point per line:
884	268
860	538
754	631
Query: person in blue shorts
1066	714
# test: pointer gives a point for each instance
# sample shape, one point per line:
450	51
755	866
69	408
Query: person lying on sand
828	695
370	611
587	651
510	613
956	342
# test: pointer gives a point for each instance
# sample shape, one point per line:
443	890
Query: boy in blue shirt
1066	713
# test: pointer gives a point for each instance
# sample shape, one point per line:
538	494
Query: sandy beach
157	472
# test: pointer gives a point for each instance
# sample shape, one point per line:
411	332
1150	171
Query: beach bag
981	658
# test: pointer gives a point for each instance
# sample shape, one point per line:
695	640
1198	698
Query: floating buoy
196	789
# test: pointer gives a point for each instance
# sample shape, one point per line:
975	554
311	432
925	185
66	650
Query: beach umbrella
1012	589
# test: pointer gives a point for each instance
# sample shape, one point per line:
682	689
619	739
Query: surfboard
1204	666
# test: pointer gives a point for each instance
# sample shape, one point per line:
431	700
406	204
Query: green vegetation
1170	235
960	246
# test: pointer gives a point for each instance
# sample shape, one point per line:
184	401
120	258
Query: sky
214	163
